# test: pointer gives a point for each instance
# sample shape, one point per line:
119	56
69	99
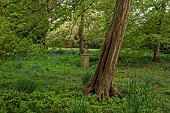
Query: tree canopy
50	23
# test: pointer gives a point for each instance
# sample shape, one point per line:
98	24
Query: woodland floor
53	83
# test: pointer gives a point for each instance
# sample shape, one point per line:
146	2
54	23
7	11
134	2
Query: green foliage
94	55
79	106
53	83
26	85
61	51
18	63
19	102
141	96
33	81
23	29
86	77
148	24
60	38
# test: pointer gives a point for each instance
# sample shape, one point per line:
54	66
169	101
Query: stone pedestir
85	57
85	60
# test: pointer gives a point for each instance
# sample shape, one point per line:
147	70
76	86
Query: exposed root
88	90
113	92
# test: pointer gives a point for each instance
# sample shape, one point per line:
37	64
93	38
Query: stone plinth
85	60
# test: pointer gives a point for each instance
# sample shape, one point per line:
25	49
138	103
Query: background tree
23	29
81	30
96	17
19	27
148	27
97	22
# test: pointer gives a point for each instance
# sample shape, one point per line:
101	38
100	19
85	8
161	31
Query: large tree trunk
101	84
80	33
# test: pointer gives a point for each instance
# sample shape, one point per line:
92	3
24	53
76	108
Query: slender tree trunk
157	46
101	84
80	32
156	52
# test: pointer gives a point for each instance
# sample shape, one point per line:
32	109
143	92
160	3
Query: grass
52	84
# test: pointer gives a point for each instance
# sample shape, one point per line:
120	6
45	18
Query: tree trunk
80	32
101	84
156	52
162	9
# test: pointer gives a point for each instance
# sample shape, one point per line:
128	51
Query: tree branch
74	23
24	35
11	3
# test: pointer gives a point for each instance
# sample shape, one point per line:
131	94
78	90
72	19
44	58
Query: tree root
88	90
113	92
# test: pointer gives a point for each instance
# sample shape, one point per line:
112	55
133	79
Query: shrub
18	62
61	51
86	77
79	106
26	85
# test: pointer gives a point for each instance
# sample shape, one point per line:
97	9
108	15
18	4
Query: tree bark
101	84
80	33
156	52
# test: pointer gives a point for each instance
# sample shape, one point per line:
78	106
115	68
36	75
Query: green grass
52	84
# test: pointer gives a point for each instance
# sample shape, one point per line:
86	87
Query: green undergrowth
53	82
